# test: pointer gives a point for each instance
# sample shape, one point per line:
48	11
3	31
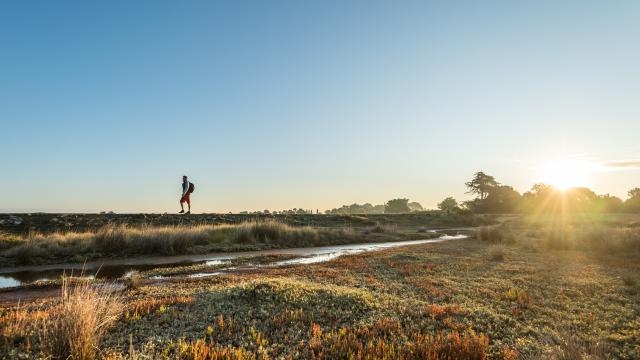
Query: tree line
394	206
494	197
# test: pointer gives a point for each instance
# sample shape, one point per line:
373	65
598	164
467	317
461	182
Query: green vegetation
512	293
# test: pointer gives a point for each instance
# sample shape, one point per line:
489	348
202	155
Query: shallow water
115	269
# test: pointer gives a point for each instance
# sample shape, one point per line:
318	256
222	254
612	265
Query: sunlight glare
566	173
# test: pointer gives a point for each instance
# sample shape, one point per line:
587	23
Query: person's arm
185	188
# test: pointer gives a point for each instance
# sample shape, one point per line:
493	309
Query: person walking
187	189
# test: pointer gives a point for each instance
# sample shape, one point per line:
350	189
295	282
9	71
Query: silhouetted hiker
187	189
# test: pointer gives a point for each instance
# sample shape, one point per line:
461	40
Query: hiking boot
181	212
188	212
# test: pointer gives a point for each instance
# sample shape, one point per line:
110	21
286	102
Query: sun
564	174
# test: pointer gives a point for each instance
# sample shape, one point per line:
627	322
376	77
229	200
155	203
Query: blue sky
314	104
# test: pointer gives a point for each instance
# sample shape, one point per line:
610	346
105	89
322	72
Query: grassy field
510	293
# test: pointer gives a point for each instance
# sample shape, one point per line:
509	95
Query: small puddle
6	281
328	253
122	268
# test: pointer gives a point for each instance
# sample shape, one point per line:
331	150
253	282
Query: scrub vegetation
509	293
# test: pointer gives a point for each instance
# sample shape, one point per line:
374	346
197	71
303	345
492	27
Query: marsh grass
496	253
16	323
278	233
597	237
497	234
566	345
415	302
75	327
123	240
629	280
69	327
379	228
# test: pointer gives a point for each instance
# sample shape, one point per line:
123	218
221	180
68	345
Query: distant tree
608	204
579	199
449	205
415	206
481	185
542	189
543	198
632	204
355	209
539	194
378	209
499	199
397	206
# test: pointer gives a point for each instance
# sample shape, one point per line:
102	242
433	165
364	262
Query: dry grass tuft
16	323
496	234
496	253
75	326
629	280
567	346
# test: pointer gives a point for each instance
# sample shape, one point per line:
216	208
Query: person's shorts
186	197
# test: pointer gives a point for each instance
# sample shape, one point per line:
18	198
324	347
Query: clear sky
312	104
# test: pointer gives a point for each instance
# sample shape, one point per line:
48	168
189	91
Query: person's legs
188	200
182	200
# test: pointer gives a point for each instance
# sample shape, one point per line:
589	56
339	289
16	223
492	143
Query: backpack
191	188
